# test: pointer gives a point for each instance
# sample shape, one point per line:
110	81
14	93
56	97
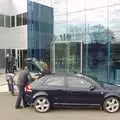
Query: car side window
54	81
75	82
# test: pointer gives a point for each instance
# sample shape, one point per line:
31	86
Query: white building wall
16	37
4	7
12	38
13	7
17	6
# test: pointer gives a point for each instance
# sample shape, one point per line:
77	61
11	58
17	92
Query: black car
72	90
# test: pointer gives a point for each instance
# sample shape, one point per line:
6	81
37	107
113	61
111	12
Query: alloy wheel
42	104
111	104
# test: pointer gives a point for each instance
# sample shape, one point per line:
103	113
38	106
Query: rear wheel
41	104
111	104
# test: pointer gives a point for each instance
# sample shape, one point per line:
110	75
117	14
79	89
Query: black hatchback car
72	90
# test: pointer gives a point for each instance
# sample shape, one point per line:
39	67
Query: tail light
28	88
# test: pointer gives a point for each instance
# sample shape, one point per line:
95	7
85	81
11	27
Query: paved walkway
3	83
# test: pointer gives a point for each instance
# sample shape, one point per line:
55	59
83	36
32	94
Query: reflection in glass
67	59
114	19
96	46
111	2
76	22
78	5
60	55
95	3
60	6
59	28
96	17
88	21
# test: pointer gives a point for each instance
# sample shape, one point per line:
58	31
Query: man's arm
29	78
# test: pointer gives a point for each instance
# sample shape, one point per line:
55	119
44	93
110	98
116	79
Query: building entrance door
66	56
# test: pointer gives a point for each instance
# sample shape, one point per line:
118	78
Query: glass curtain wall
69	30
96	49
114	26
40	30
86	37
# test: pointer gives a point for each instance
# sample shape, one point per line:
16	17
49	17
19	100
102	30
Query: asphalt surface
8	112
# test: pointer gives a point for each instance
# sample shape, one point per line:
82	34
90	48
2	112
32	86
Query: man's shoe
19	107
25	106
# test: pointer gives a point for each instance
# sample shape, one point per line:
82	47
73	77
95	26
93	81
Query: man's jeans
21	96
11	85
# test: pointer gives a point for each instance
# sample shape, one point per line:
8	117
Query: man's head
25	67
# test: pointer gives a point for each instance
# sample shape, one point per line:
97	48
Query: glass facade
40	30
77	35
87	38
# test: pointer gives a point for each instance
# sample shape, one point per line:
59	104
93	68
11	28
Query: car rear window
36	83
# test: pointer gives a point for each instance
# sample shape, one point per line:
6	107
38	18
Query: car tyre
42	104
111	104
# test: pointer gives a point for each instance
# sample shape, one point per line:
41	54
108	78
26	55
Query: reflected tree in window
98	48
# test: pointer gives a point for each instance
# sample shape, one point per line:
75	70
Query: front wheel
41	104
111	104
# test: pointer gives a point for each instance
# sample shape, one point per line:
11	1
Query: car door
55	88
80	91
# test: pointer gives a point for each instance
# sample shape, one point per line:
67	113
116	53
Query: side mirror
92	87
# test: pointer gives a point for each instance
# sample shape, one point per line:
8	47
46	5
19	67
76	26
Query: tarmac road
8	112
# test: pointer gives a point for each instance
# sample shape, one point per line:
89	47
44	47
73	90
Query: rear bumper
29	99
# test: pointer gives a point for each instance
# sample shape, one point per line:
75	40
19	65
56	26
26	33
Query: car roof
69	74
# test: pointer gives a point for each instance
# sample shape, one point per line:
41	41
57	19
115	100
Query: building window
12	21
7	21
24	18
1	20
19	20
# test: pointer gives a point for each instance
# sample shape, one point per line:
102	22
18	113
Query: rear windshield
38	82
